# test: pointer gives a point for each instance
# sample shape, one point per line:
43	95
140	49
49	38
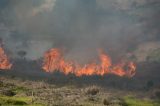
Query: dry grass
39	93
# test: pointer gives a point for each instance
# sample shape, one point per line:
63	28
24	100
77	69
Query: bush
1	84
106	102
13	101
149	85
132	101
157	94
8	93
92	90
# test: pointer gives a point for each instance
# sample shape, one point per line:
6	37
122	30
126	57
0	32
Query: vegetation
132	101
20	89
6	100
149	85
17	101
30	93
157	94
93	90
154	56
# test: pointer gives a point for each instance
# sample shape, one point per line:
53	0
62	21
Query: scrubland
17	92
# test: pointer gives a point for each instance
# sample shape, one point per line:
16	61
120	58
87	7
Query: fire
52	59
55	61
4	61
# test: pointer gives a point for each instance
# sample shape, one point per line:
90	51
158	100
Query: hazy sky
79	26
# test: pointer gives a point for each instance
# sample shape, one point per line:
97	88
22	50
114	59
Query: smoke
47	6
79	26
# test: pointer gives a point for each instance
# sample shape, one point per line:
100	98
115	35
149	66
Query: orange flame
54	61
4	61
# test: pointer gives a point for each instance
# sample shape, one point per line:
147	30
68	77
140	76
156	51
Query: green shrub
5	100
19	89
131	101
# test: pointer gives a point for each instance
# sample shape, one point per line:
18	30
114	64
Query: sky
78	26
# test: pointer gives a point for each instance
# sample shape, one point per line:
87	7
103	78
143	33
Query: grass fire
79	53
54	60
4	60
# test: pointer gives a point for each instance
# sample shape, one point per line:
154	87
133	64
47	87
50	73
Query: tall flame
4	61
54	61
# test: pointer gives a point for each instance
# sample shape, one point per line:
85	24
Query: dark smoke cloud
80	26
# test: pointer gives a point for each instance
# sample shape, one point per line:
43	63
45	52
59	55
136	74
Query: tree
149	84
22	54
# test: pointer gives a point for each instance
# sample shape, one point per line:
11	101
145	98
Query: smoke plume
78	26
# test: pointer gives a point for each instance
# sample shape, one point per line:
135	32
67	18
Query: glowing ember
4	61
54	61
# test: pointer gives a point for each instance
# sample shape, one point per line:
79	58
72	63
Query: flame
4	61
54	61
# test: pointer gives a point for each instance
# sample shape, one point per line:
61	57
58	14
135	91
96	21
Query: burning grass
4	60
54	60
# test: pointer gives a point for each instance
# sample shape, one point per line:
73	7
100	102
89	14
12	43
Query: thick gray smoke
79	26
